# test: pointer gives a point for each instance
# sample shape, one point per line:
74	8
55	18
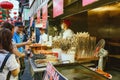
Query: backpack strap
4	62
8	75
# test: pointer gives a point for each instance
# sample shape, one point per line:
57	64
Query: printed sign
44	15
87	2
44	12
57	8
44	22
38	16
51	73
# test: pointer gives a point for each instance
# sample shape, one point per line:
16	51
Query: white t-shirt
10	65
67	33
43	38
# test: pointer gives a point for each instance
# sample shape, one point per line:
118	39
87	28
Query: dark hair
41	28
19	24
7	25
6	39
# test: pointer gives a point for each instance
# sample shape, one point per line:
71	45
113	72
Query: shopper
18	39
43	36
68	33
11	28
15	46
9	69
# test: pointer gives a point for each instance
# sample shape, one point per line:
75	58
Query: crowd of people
11	51
12	47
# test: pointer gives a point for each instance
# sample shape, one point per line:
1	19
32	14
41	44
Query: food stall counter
79	72
73	71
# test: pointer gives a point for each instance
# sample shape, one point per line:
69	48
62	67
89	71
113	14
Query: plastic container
67	58
57	51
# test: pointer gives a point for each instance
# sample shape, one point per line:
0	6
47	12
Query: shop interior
100	19
79	41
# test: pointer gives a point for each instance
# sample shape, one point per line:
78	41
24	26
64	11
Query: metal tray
38	65
44	64
77	71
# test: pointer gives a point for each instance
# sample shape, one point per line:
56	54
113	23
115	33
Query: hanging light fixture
15	12
6	5
0	12
15	17
0	16
1	20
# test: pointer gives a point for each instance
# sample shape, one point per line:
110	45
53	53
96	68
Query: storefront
100	19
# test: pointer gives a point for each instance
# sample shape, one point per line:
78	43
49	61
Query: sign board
44	12
44	15
57	8
52	73
25	14
44	22
39	25
38	16
87	2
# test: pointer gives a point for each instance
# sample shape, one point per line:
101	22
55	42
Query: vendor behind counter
67	33
43	37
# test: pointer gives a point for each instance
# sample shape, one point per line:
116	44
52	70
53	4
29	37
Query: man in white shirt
68	33
43	36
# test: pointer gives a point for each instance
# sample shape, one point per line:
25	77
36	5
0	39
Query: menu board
52	73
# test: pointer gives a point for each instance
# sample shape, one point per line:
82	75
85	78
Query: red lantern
15	12
0	12
6	5
0	16
15	17
14	21
1	20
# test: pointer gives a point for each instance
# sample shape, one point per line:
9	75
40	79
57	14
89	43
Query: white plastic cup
57	50
68	57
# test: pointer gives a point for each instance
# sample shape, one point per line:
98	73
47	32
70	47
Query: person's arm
23	43
40	41
17	53
13	65
15	72
46	38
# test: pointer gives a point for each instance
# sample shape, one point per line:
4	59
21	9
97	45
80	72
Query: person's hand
22	55
18	61
29	42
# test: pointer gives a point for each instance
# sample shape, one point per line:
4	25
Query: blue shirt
37	35
17	39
